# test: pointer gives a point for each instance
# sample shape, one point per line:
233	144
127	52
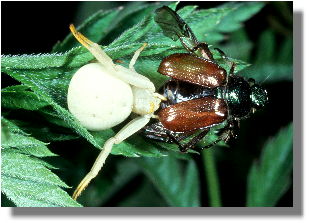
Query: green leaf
45	65
28	145
51	116
133	13
10	127
266	47
18	139
42	130
285	54
25	179
180	188
211	177
240	12
271	64
50	133
132	147
27	168
18	97
269	72
104	25
107	186
145	196
269	179
239	45
95	28
32	194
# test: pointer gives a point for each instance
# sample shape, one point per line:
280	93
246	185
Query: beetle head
258	96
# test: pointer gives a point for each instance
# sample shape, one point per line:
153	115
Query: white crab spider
102	95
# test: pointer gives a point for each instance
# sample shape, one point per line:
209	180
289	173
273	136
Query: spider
101	95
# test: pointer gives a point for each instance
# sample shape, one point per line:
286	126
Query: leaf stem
211	178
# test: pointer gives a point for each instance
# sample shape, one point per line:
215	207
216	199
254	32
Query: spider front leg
94	49
132	127
127	75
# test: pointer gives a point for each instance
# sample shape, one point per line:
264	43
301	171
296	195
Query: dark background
34	27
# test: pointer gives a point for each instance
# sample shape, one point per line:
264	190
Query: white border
6	214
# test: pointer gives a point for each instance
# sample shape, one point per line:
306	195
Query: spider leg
94	48
132	127
136	55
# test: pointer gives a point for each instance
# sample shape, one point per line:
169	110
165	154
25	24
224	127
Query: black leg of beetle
204	51
194	141
226	133
232	70
230	130
211	144
177	140
184	148
183	136
174	140
222	54
251	81
189	34
185	46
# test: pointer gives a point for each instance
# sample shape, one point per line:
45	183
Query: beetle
102	95
200	93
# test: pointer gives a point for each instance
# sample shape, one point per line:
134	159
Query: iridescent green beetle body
242	96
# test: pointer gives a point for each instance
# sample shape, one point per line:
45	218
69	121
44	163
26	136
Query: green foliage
271	65
124	171
145	196
183	190
269	179
95	28
49	75
15	97
170	178
25	179
239	13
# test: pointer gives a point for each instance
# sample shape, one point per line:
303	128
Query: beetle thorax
237	96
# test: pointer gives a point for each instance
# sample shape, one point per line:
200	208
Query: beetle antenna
266	78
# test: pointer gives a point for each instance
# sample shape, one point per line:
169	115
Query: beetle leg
194	141
132	127
204	51
224	57
185	147
156	131
232	70
211	144
222	54
226	133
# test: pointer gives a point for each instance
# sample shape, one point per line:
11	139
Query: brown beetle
200	93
